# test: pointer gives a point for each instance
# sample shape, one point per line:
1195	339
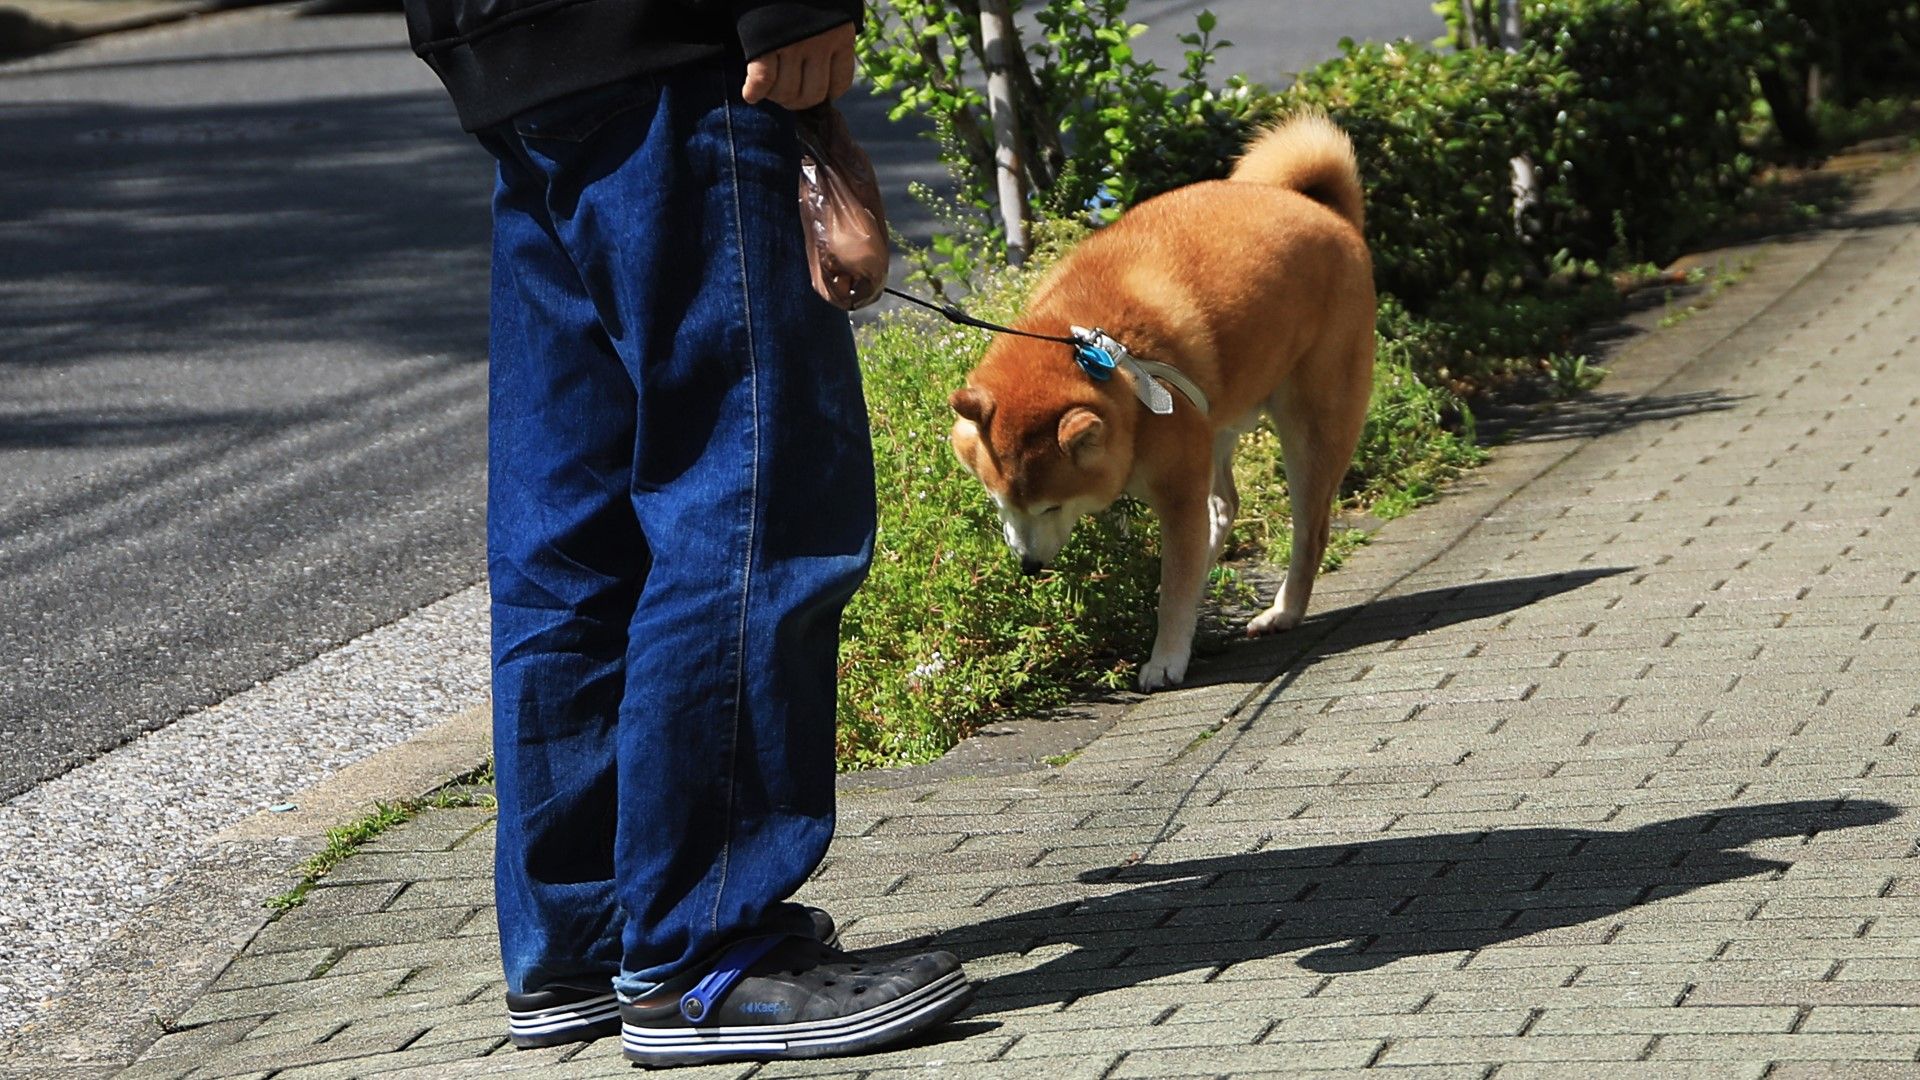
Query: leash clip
1096	346
1094	360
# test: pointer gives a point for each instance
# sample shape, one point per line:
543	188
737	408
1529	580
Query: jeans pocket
577	116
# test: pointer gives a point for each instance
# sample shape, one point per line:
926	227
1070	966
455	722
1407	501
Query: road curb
413	769
41	35
174	947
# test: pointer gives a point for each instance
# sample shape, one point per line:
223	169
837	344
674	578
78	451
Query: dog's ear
972	404
1082	433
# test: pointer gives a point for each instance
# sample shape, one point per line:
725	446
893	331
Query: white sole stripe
688	1052
560	1017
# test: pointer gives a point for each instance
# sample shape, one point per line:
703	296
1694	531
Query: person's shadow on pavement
1359	906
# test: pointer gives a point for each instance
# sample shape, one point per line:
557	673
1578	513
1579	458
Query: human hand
805	73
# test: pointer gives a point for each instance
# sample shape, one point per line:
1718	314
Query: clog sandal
781	997
566	1014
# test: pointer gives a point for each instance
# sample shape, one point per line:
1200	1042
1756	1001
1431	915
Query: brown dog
1259	291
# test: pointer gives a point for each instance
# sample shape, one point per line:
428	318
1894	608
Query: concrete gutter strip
156	858
418	767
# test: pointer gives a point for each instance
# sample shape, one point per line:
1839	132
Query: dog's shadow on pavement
1353	907
1329	633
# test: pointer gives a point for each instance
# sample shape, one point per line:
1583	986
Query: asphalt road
242	339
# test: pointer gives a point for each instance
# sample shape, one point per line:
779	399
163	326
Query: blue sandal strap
699	1002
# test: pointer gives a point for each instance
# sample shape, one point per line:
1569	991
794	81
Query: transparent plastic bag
840	209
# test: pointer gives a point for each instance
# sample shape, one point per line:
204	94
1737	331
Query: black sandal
784	997
567	1014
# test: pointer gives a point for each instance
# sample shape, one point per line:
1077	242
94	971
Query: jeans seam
753	504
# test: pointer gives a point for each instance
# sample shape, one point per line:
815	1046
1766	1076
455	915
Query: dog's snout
1030	567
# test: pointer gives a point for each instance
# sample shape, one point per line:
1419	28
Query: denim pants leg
680	504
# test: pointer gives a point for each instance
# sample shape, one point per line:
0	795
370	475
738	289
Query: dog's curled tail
1308	153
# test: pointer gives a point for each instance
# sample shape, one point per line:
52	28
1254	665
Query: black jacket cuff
766	25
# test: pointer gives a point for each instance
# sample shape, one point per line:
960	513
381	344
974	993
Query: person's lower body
680	503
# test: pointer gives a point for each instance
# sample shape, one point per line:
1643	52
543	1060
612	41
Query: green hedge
1434	132
1863	48
1635	113
1665	90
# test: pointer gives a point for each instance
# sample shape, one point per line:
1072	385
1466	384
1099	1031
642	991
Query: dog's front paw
1272	621
1159	673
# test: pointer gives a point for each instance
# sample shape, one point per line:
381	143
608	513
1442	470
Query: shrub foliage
1098	124
1434	132
1664	89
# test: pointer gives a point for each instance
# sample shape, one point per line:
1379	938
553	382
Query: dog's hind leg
1223	503
1317	441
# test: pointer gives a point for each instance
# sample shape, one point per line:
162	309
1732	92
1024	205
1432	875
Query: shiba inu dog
1246	295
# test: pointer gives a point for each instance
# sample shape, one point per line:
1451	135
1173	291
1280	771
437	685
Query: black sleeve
766	25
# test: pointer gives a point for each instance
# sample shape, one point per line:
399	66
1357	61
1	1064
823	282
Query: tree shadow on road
224	231
1597	412
1359	906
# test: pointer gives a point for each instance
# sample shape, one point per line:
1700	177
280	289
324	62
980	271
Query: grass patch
1842	125
344	840
946	634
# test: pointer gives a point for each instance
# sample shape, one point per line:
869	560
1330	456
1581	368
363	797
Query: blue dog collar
1098	354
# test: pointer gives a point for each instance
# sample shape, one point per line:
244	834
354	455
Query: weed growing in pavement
1723	278
1572	373
344	840
1200	739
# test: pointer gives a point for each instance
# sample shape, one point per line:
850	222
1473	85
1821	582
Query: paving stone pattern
1602	767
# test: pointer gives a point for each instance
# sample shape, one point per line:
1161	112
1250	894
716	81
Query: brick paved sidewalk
1611	774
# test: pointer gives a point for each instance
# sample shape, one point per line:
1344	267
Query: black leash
955	315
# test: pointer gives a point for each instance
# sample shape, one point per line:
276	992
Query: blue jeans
680	503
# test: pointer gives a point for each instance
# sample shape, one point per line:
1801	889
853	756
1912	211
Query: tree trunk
999	45
1511	28
1791	116
1039	131
1526	182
